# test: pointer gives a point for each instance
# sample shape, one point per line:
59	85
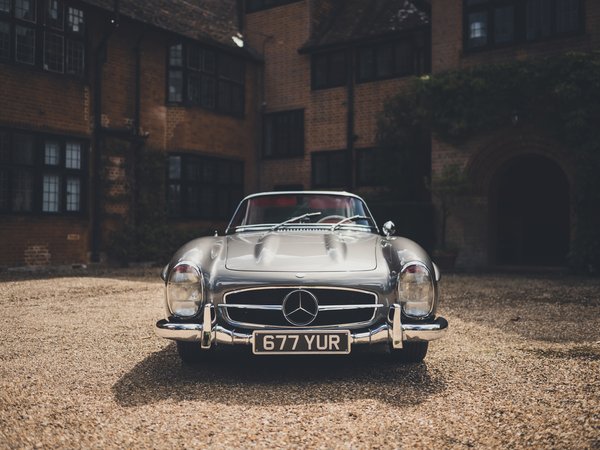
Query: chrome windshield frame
267	226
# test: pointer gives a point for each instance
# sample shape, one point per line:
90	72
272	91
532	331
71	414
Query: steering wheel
331	219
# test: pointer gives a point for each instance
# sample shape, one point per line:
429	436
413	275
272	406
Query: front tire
412	352
191	353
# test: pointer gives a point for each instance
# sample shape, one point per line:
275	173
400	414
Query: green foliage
147	235
448	187
150	241
451	183
405	140
559	95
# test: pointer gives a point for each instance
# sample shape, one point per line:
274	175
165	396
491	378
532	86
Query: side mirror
389	228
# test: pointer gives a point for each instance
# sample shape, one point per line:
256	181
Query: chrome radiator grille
265	307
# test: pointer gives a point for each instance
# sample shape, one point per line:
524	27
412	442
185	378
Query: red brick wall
36	100
173	128
448	54
469	225
280	32
118	76
447	39
368	103
42	240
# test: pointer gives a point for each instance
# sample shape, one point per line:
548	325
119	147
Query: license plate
301	342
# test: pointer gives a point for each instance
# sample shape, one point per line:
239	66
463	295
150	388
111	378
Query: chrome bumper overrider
394	333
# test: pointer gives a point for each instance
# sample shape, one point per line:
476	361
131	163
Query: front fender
401	251
204	252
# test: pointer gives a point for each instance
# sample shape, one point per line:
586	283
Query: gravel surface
80	367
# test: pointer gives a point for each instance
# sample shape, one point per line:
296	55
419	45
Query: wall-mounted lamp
238	39
514	118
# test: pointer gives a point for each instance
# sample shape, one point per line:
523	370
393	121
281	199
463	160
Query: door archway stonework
475	221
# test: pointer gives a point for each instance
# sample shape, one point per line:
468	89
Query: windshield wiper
294	219
347	219
254	226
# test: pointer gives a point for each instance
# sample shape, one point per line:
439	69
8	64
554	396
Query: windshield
319	210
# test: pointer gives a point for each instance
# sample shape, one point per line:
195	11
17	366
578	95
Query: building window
25	45
29	25
392	59
41	174
54	14
203	187
204	77
495	23
329	70
259	5
4	41
284	134
25	10
330	169
53	52
369	162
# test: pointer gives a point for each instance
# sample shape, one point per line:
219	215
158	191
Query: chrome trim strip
381	334
279	308
292	286
346	307
251	306
258	326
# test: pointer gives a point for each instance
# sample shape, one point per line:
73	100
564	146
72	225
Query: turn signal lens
184	290
416	291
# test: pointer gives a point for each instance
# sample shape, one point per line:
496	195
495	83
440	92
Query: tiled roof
358	20
205	20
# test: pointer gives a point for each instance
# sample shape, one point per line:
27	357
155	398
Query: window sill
392	77
45	215
208	110
36	69
523	44
282	157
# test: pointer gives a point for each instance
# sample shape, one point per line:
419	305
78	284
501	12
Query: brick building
241	96
521	212
328	68
88	89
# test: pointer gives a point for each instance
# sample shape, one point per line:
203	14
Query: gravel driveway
82	368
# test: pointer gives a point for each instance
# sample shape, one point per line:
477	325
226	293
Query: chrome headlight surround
184	289
417	291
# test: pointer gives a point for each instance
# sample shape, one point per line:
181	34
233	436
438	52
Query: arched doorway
532	212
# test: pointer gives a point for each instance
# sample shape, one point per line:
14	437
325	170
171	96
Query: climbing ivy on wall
558	95
146	234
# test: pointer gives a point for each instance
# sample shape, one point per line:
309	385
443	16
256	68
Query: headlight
416	291
184	290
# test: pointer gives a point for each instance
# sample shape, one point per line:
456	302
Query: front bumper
394	333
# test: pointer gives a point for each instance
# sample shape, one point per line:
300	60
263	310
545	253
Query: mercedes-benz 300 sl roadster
302	273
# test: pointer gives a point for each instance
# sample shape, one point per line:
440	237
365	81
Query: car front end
302	288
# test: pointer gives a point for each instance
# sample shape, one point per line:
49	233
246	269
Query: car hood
291	251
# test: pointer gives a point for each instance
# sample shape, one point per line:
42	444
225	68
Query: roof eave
313	48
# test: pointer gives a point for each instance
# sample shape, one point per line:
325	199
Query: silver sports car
302	273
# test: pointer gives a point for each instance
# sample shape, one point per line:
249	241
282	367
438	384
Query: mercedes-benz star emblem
300	307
